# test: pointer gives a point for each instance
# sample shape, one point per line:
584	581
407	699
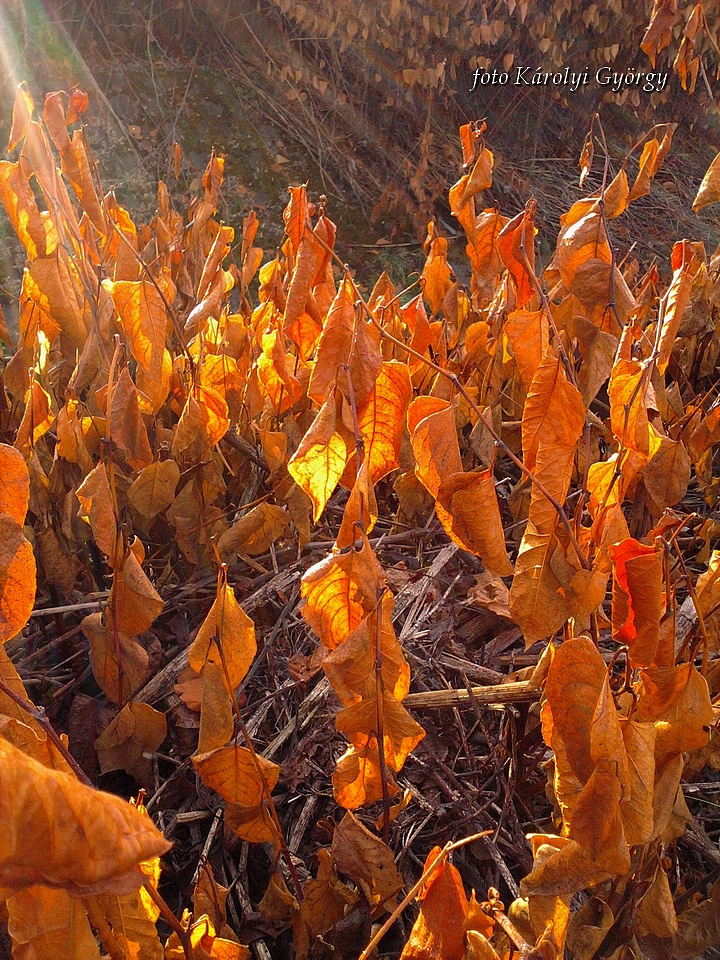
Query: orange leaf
554	413
253	533
134	602
233	773
154	488
254	824
707	592
127	429
23	108
350	667
37	418
381	420
431	422
340	591
483	251
323	905
14	483
144	320
439	931
685	265
479	178
103	654
60	833
295	215
234	630
35	230
467	507
641	187
527	333
17	578
401	734
283	387
130	740
357	781
436	274
48	923
361	510
366	860
659	30
709	191
335	343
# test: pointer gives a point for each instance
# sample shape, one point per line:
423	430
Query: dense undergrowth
203	444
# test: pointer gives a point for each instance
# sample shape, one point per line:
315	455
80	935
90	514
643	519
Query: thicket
201	444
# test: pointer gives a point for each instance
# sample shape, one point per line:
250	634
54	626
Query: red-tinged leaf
335	343
515	237
439	931
78	104
638	600
295	215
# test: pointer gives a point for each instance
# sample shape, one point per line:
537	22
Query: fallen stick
493	696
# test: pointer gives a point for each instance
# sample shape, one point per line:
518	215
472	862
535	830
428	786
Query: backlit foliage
172	383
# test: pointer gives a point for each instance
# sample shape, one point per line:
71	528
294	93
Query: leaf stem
284	851
182	934
38	714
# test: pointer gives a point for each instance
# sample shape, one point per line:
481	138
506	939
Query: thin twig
439	859
38	714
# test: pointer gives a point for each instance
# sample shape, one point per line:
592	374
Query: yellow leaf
319	461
